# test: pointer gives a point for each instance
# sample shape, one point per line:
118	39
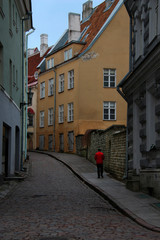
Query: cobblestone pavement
52	204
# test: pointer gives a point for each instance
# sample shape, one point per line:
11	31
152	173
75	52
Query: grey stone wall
112	142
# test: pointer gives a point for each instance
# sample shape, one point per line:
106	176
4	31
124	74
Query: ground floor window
41	142
61	140
70	140
50	142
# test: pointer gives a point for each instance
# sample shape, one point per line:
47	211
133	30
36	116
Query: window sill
61	91
71	88
113	120
42	98
109	87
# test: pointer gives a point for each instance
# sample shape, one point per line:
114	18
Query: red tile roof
33	61
96	21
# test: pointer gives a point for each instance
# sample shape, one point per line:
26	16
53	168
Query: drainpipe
125	98
126	160
54	118
27	88
23	103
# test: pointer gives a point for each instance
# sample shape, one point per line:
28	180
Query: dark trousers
100	170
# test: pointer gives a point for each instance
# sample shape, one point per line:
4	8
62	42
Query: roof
33	62
92	27
94	24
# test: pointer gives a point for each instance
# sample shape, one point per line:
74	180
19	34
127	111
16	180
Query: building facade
141	89
35	57
12	28
77	81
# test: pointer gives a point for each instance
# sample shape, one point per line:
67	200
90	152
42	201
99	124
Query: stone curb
109	198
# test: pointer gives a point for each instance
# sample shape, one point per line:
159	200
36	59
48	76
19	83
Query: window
42	119
70	141
50	87
1	64
109	4
30	120
68	54
50	116
50	63
109	111
14	76
50	141
61	113
70	112
41	142
1	9
61	140
71	79
109	78
61	83
10	18
11	77
42	90
17	83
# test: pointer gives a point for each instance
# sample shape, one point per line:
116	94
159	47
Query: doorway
5	151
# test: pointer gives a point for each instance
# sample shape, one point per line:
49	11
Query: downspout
22	105
126	159
27	88
54	118
125	98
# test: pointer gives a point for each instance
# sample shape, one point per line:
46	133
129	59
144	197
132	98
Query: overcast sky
51	17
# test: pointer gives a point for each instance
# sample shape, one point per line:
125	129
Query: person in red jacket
99	157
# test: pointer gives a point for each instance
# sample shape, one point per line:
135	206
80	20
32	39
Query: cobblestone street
53	204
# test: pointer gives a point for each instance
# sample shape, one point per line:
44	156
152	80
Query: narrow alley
53	204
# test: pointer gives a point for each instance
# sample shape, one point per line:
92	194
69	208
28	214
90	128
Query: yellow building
78	79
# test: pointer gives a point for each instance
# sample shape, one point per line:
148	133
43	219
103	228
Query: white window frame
68	54
41	119
61	114
61	82
51	87
70	112
42	90
50	63
108	74
71	79
50	116
110	107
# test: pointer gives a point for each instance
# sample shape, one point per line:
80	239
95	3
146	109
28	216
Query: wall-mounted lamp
30	96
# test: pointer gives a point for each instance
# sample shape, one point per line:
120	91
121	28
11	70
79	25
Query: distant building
141	89
77	80
34	59
15	20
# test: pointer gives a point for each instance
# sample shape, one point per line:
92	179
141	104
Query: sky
51	17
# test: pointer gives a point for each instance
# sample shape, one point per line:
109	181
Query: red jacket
99	157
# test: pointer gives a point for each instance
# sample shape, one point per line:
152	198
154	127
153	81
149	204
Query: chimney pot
87	9
44	44
74	27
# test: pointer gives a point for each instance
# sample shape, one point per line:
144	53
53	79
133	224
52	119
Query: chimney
74	27
44	44
87	9
108	3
